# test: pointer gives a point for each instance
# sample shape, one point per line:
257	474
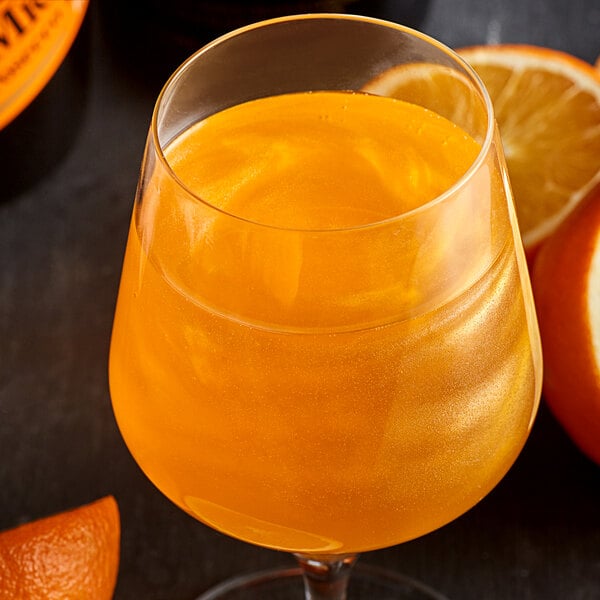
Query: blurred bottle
43	80
153	37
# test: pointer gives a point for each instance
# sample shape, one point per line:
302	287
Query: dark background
536	536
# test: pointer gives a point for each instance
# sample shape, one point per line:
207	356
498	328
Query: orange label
35	37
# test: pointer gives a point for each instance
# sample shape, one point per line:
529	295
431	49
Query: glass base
366	583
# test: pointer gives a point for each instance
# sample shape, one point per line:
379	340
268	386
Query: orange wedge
547	104
566	285
71	556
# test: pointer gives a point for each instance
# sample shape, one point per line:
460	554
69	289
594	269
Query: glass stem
326	578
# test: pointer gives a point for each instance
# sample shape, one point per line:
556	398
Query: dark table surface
536	536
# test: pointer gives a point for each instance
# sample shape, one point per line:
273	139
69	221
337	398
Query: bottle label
35	37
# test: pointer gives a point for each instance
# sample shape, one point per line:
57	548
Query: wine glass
325	340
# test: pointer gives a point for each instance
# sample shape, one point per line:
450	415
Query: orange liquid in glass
275	388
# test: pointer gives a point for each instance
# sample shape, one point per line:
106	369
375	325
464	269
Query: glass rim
461	182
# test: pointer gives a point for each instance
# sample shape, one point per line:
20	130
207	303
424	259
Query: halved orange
68	556
566	286
439	88
547	105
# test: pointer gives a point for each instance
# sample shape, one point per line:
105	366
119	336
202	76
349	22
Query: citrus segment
68	556
439	88
547	104
566	283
